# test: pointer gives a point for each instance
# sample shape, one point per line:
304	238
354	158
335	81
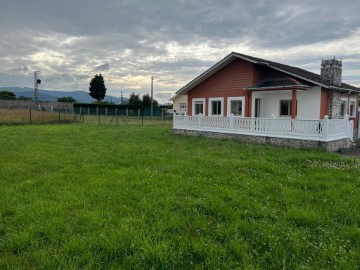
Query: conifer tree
97	87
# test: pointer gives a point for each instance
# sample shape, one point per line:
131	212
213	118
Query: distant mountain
50	95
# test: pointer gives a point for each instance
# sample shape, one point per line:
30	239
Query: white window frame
288	101
344	101
242	99
194	100
221	99
353	114
348	102
182	106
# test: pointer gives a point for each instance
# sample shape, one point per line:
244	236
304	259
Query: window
198	106
216	106
352	109
343	108
236	106
182	106
285	107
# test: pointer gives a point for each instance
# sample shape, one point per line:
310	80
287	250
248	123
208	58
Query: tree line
97	90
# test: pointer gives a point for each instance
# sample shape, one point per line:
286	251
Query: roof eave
344	89
299	76
300	87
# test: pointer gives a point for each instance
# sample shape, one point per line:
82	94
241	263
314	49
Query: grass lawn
86	196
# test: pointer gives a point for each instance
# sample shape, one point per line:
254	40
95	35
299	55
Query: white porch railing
323	130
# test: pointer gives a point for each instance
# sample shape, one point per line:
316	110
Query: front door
257	107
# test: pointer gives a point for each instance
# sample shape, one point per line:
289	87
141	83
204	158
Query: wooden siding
324	107
230	81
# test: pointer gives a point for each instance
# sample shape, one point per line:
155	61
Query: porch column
293	104
248	102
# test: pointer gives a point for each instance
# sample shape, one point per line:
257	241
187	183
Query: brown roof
298	71
290	70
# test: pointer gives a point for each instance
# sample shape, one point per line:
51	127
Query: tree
135	100
24	98
97	87
146	100
66	99
7	95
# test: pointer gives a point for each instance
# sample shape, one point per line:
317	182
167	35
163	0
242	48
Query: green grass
136	197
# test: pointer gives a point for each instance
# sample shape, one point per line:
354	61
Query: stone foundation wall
332	146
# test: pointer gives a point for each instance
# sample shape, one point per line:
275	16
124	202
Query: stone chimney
331	71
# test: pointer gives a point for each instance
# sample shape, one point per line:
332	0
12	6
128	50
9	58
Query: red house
243	86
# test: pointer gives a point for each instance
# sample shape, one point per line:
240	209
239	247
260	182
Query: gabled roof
290	70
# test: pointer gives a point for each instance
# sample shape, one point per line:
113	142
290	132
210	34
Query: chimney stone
331	71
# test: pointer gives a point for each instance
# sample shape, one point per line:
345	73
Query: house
243	86
180	103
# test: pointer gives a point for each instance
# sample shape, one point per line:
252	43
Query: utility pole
37	81
152	87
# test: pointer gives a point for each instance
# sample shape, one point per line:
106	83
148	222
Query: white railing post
346	124
252	124
199	119
325	127
351	130
272	124
349	127
174	119
231	119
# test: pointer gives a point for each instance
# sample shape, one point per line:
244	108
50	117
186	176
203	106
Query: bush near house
141	198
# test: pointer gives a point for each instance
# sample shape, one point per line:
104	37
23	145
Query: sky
129	41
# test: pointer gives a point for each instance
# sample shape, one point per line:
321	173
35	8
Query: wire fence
36	117
84	115
123	116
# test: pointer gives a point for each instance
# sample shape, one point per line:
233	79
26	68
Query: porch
323	130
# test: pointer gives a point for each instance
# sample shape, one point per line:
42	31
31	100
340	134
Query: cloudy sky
129	41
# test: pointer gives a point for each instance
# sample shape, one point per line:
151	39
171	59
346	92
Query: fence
323	130
122	116
33	116
84	115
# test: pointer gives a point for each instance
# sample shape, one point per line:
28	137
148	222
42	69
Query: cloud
103	67
21	69
174	41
